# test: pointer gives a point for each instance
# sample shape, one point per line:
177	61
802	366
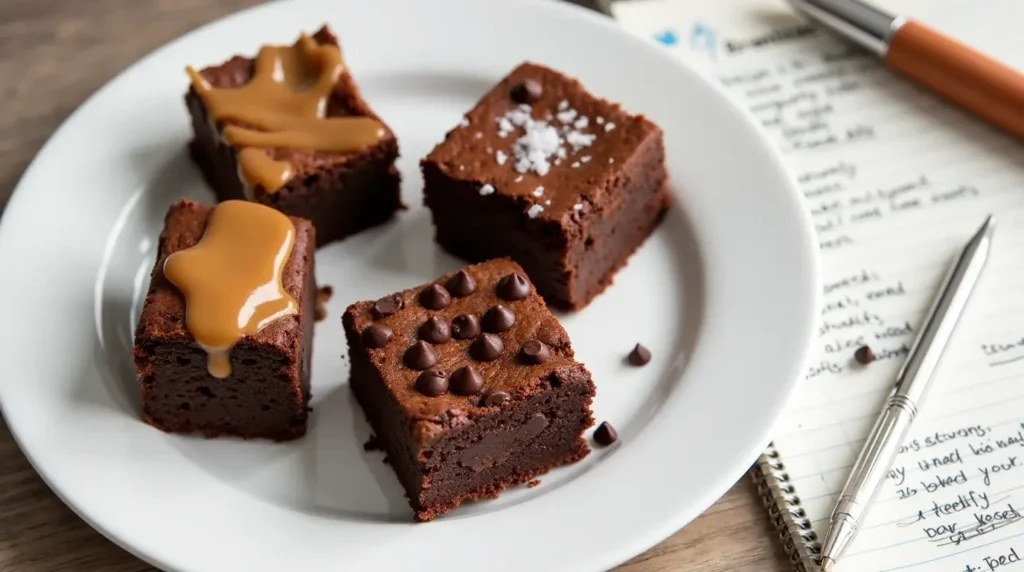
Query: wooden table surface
53	55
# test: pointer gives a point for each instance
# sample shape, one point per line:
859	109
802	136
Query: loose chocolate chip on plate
513	287
420	356
467	381
377	336
498	319
528	91
640	355
488	347
534	352
864	355
432	382
435	297
461	284
386	306
435	330
605	434
496	398
465	327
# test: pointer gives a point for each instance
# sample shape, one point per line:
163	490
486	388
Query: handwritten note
895	181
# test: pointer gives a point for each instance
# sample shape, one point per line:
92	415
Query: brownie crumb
533	483
372	444
323	295
605	434
864	355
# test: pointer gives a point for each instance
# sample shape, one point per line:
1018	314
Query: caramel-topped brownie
565	183
200	371
290	129
470	385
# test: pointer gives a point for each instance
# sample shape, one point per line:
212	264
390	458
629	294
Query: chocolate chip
435	330
435	297
465	327
640	355
432	382
528	91
605	434
496	398
387	305
420	356
488	347
467	381
377	336
864	355
461	284
534	352
513	287
498	319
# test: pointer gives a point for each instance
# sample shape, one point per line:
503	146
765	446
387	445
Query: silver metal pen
901	407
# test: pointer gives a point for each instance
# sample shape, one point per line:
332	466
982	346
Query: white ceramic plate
724	294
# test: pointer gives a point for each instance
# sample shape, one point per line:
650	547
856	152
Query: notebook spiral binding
785	511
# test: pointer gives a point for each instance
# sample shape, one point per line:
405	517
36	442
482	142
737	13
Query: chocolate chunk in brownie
566	184
469	414
341	191
266	391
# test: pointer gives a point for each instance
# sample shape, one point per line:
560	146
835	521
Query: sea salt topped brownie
470	385
565	183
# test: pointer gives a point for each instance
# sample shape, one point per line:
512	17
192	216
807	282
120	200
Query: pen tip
827	564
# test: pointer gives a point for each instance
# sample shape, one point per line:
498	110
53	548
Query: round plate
724	293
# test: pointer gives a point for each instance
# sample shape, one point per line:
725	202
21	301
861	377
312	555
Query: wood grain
53	55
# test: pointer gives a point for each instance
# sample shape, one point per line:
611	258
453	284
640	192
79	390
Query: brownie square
267	393
450	435
341	192
566	184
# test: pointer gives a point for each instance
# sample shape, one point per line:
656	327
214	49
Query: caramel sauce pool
284	105
231	278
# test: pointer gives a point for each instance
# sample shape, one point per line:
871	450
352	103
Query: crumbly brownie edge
644	200
447	482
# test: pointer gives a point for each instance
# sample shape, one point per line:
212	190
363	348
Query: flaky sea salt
534	149
599	120
519	179
486	189
585	159
611	160
579	140
478	135
500	157
505	127
609	126
547	202
566	116
462	167
542	143
464	122
538	191
575	164
577	207
534	211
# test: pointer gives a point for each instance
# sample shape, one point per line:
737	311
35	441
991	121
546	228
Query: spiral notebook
896	181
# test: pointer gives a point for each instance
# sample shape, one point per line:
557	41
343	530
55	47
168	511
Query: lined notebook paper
896	181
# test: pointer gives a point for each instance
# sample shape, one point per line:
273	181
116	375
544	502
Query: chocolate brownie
541	171
342	192
469	384
267	392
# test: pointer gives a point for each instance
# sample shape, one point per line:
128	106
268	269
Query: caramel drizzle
231	278
284	105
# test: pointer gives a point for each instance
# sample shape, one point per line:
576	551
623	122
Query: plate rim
612	556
